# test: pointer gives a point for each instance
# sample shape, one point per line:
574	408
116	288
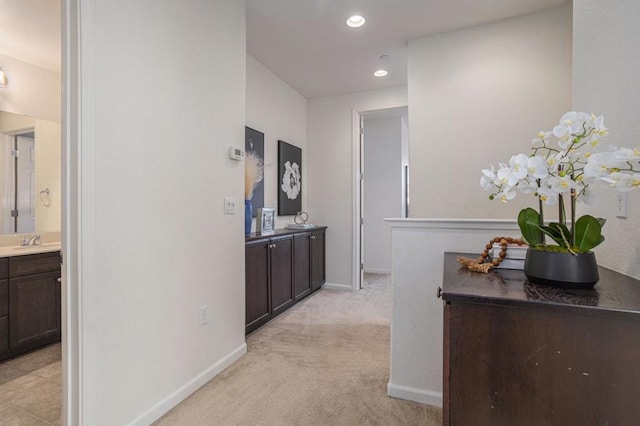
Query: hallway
323	362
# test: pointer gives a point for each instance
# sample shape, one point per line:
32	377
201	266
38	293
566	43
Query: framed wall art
254	143
289	179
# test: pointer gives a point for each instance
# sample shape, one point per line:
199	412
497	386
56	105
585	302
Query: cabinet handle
439	292
313	237
59	280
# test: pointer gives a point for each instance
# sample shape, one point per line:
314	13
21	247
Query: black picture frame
254	141
289	179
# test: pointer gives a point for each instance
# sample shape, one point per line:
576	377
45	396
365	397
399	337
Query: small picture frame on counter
265	220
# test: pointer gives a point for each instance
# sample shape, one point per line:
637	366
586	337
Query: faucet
33	240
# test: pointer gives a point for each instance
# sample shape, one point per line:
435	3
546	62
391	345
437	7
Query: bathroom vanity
29	298
281	269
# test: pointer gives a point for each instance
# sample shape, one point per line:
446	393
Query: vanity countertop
10	251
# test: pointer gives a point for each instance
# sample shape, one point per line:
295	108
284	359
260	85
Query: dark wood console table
517	353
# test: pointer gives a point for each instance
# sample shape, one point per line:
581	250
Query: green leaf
558	232
528	221
588	233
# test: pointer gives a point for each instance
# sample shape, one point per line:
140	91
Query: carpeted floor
323	362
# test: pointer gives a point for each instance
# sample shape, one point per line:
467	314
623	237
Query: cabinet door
317	260
257	308
34	310
4	319
281	274
301	265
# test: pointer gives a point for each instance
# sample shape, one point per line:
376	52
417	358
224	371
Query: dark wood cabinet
269	279
281	274
302	265
280	270
517	353
309	259
29	303
34	311
4	307
317	260
257	298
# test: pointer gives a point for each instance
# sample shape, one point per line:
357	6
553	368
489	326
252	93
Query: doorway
17	182
381	189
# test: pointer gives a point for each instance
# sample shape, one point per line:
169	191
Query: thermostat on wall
236	153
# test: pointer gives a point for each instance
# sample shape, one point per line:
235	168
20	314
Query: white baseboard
342	287
162	407
377	271
421	396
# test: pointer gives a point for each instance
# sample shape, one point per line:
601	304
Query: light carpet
323	362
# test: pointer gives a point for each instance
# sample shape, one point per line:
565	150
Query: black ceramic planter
564	270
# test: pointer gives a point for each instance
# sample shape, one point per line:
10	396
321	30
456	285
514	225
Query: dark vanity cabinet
29	302
517	353
4	307
281	269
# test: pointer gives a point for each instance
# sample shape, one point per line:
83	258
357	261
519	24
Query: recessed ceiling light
355	21
380	73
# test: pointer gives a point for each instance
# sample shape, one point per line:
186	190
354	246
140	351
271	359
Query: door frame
357	129
357	254
77	255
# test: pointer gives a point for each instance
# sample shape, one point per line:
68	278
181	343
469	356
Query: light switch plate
229	205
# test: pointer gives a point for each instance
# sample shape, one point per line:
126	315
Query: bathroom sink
39	246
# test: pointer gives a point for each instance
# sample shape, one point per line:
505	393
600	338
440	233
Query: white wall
30	90
48	168
611	87
478	96
277	110
416	327
382	189
331	170
161	96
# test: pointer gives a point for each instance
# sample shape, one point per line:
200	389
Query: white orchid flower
543	137
601	164
506	194
627	154
547	196
518	164
537	167
527	187
561	185
623	182
506	177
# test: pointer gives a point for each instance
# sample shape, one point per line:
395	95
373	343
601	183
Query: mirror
30	174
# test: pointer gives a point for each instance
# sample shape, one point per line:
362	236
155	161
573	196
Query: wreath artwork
289	179
484	263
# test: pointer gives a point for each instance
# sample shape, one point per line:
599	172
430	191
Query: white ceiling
308	45
30	30
304	42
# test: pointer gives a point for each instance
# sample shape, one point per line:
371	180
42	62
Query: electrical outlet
621	205
204	315
229	205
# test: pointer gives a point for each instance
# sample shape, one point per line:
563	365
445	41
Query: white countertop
10	251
